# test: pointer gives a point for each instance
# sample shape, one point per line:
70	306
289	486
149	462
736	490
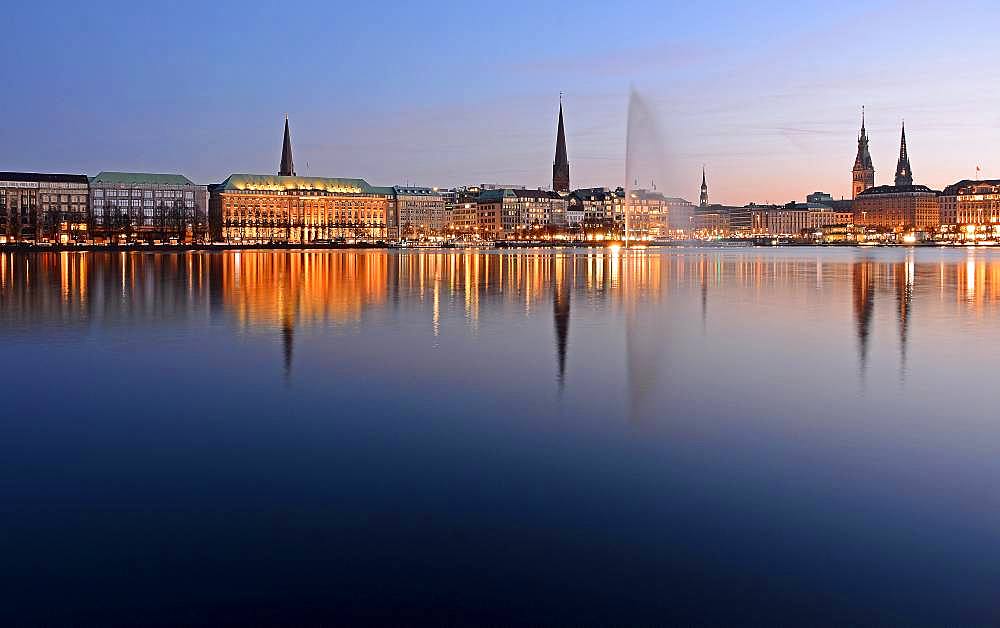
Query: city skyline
766	136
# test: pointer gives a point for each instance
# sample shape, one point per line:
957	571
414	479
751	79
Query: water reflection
806	423
864	305
258	292
903	273
560	311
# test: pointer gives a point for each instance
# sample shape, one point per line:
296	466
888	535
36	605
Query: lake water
697	435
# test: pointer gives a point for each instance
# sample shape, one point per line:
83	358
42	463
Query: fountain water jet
644	155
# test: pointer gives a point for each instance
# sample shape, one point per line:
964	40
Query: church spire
904	176
703	199
864	171
287	168
560	166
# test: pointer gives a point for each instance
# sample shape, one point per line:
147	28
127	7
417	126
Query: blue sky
766	94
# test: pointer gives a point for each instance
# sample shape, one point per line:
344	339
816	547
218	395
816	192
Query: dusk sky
766	94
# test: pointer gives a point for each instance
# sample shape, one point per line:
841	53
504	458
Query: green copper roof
277	183
140	178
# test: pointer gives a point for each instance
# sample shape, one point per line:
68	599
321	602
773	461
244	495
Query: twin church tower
864	171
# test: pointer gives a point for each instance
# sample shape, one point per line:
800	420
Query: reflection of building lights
615	248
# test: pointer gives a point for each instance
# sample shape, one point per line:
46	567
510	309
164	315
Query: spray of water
645	159
645	164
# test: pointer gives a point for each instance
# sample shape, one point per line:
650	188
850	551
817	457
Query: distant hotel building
790	220
712	220
900	206
971	203
130	206
464	217
603	209
679	213
749	220
794	219
284	208
44	207
822	215
258	209
421	210
649	214
511	213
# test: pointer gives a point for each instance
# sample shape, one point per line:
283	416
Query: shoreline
181	248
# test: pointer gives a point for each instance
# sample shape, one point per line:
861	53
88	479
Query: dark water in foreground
535	437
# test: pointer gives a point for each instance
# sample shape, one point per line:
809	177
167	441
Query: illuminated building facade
749	220
711	221
464	216
603	209
792	219
261	209
788	220
823	216
513	213
897	207
421	210
971	203
141	206
649	214
901	206
44	207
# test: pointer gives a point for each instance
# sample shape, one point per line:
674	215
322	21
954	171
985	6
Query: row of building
287	208
968	208
69	207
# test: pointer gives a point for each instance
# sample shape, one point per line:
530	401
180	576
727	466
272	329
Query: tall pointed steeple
904	176
287	168
703	199
864	171
560	166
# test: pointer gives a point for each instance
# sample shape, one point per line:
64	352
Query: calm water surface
733	436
